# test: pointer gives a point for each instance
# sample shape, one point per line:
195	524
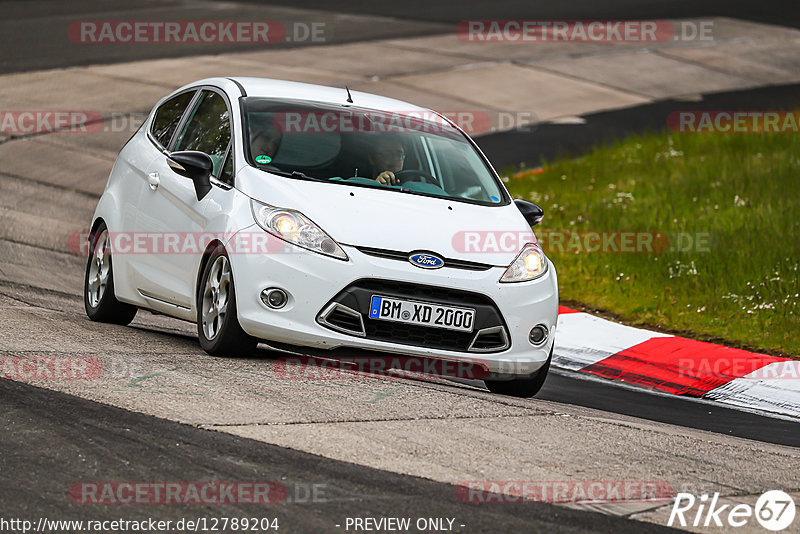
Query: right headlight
531	263
296	228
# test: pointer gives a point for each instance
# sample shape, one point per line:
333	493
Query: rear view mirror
532	213
194	165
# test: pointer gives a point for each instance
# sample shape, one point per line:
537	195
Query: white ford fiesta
323	222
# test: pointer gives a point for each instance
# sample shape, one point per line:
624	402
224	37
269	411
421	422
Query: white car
324	222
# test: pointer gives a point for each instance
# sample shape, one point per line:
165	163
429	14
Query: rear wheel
521	387
217	323
98	289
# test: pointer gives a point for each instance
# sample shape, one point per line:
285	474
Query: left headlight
296	228
531	263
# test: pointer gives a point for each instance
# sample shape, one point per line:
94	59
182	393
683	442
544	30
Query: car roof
271	88
283	89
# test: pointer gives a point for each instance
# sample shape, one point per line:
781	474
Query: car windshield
409	152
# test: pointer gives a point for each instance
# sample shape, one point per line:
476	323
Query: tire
218	325
521	387
99	299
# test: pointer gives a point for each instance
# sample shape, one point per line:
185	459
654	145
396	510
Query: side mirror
196	166
532	213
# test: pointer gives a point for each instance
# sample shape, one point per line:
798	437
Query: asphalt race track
546	141
63	435
32	29
374	446
448	11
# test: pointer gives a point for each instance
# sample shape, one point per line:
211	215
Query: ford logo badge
426	260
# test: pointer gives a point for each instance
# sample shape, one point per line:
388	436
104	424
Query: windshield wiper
375	184
297	175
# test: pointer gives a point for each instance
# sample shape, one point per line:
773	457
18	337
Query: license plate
422	313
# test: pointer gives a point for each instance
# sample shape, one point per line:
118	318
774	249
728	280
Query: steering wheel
412	173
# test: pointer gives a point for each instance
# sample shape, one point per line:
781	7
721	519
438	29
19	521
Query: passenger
265	140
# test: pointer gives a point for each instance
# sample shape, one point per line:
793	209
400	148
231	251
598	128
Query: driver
387	157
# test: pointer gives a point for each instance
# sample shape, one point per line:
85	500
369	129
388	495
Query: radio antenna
349	97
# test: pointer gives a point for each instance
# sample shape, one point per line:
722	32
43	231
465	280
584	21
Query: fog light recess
538	335
274	298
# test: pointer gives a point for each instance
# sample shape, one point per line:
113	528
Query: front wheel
521	387
217	323
98	288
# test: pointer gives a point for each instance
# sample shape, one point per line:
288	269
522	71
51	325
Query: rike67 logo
774	510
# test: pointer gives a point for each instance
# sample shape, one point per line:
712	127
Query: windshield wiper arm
304	176
297	175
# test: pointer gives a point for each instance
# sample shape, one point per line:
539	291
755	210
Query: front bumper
314	281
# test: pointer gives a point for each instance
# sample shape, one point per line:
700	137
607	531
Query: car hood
391	220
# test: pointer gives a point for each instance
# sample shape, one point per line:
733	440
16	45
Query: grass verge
721	216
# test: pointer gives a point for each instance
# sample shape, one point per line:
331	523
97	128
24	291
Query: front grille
488	335
403	256
420	336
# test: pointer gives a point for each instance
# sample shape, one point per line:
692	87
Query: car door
170	212
137	158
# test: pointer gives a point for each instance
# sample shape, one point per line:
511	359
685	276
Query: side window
209	129
226	176
168	115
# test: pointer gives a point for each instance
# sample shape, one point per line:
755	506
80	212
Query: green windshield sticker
263	159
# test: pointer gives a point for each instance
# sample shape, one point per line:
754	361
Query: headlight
529	264
296	228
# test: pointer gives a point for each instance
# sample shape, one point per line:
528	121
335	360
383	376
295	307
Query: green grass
742	190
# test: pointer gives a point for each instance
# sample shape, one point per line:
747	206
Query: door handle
153	180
